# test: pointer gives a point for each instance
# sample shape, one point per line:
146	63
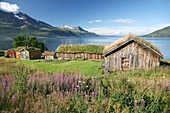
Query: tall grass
72	92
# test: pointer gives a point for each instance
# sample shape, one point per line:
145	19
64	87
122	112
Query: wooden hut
130	53
48	55
11	53
84	51
17	51
31	53
2	53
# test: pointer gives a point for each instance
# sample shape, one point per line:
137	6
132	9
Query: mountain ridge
164	32
12	25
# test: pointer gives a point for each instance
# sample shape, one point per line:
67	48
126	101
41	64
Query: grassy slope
86	67
81	66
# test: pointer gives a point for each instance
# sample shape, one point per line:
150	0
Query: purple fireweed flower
86	95
72	85
135	101
142	101
136	107
93	93
14	97
5	84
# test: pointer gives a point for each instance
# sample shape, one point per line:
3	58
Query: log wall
130	57
82	55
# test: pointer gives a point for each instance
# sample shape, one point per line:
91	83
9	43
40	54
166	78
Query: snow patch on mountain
20	18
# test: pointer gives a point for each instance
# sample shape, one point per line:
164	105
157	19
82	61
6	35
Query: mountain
165	32
12	25
77	30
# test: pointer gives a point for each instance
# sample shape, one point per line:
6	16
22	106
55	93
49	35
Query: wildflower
137	107
86	95
135	101
14	97
92	93
79	81
72	85
5	84
142	101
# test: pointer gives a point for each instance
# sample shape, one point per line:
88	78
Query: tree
28	42
18	41
31	42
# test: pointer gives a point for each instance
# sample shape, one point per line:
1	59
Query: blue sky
109	17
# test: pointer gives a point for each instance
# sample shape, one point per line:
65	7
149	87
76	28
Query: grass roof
87	48
129	37
49	53
2	50
22	47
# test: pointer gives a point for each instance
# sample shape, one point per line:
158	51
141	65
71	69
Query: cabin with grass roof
131	53
2	53
49	55
10	53
30	53
83	51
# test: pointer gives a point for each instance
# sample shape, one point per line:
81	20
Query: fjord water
52	43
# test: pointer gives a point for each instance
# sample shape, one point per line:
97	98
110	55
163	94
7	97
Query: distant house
83	51
28	54
130	53
10	53
49	55
2	53
17	51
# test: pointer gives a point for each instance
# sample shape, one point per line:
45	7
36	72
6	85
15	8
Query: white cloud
95	21
136	30
125	21
9	7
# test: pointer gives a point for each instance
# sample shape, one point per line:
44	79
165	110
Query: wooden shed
17	51
11	53
2	53
28	54
84	51
49	55
130	53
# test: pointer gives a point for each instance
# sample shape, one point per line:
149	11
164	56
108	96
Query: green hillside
165	32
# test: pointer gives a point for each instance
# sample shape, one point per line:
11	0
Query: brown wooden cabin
17	51
48	55
82	55
2	53
130	53
11	53
28	54
83	51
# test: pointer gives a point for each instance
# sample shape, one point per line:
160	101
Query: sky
104	17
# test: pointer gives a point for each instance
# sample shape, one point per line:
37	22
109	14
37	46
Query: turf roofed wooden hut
2	53
30	53
130	53
10	53
49	55
84	51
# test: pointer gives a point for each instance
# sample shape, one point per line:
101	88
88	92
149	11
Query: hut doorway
125	64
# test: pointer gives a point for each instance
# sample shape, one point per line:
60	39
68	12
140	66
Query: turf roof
127	38
86	48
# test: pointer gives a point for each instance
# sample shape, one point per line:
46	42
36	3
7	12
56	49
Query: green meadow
76	86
